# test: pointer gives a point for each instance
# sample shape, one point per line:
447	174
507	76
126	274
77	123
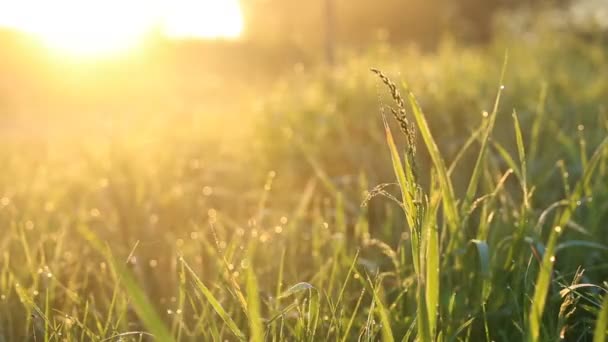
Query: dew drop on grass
153	263
264	237
207	191
29	225
95	212
284	220
278	229
581	128
502	87
558	229
552	259
485	114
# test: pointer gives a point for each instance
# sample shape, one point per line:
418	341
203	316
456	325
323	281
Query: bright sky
92	27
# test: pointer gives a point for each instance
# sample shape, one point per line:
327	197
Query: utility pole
330	32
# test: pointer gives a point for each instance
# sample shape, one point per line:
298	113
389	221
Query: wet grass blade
477	170
215	304
601	324
544	276
447	190
256	329
142	305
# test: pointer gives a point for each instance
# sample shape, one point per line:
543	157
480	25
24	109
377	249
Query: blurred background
147	120
199	91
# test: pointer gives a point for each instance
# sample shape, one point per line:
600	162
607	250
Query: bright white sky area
103	26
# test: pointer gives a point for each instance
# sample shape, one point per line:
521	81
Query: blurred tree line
306	24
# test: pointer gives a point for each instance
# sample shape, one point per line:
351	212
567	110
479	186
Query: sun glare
94	28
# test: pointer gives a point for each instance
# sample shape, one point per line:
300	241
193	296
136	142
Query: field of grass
460	195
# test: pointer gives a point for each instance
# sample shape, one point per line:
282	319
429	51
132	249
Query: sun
106	27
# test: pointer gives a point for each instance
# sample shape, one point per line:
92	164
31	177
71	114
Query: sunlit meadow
191	173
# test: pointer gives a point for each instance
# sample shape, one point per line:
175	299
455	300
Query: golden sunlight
94	28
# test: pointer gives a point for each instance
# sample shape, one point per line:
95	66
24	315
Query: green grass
426	222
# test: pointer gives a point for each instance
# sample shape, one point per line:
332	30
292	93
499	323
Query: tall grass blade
477	169
601	324
256	329
447	190
544	276
143	307
215	304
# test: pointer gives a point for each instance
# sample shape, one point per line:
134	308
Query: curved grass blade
142	305
215	303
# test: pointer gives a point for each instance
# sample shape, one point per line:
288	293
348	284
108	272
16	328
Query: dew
207	191
178	311
264	237
230	267
169	312
552	258
502	87
212	213
133	260
244	264
356	276
103	266
580	128
3	297
578	203
29	225
49	275
35	293
325	225
222	244
284	220
94	212
194	235
153	263
558	229
278	229
326	318
485	114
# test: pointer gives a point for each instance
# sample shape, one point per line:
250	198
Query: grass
495	231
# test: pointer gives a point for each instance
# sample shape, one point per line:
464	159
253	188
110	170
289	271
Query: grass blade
214	303
256	329
601	324
142	305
